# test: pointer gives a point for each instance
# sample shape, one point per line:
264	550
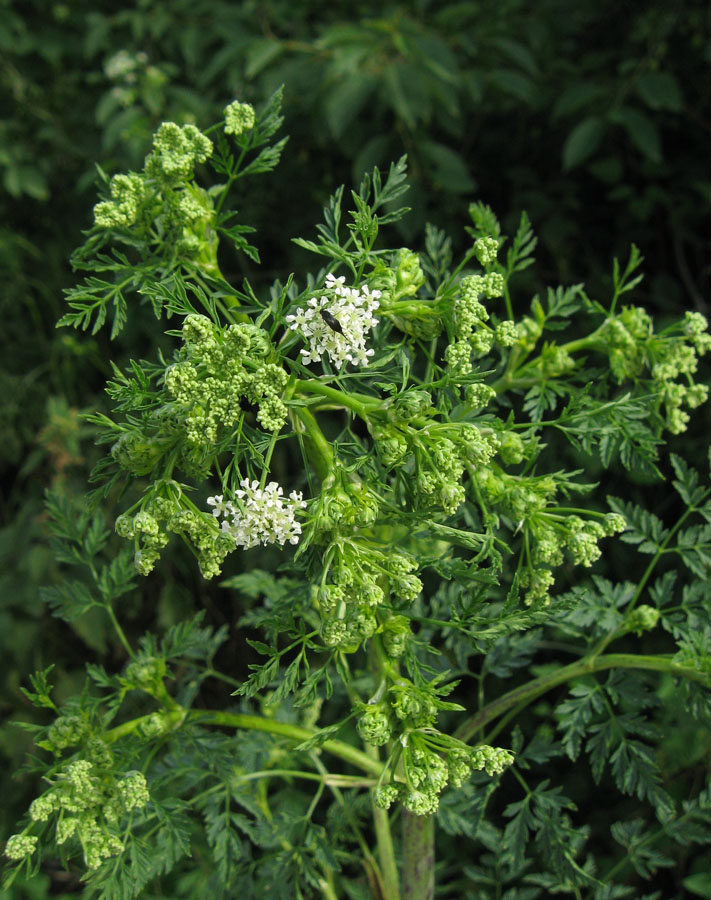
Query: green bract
388	433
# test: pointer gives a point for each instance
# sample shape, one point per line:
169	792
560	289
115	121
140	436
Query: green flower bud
124	526
505	334
374	724
65	829
643	618
136	454
492	759
20	846
408	406
133	791
386	795
409	276
481	340
485	250
333	631
330	597
239	117
479	395
528	332
197	329
421	803
493	285
146	674
407	587
458	358
414	705
42	807
458	766
396	633
512	450
614	523
67	731
392	447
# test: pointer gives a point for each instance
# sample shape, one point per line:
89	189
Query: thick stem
320	452
358	403
418	856
386	851
587	666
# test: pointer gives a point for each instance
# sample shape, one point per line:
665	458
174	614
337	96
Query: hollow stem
386	851
418	857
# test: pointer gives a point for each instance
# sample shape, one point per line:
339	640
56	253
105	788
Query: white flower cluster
337	325
262	515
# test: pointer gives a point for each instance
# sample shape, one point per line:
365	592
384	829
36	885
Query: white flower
220	507
337	325
261	515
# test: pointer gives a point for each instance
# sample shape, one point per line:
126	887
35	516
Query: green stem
294	732
256	723
590	664
661	549
386	851
327	891
418	858
358	403
119	631
321	456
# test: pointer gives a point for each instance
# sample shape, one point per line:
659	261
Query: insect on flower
331	321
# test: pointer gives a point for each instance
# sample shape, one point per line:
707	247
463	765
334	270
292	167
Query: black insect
331	321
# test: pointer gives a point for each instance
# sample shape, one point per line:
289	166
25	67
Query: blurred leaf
346	100
518	53
699	884
642	132
450	170
262	53
514	84
660	90
575	97
582	142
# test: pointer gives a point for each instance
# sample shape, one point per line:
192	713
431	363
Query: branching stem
525	694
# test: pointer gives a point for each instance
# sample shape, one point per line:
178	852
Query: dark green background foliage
593	116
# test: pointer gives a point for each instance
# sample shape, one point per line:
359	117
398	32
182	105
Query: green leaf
344	102
514	84
644	528
448	168
260	54
42	689
641	130
582	142
687	481
69	600
699	884
576	96
660	90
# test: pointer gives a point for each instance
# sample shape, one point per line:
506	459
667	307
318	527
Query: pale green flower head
19	846
239	117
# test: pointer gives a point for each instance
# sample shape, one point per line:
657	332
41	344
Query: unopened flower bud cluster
362	580
471	333
165	190
210	379
428	759
239	117
633	349
89	805
161	516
